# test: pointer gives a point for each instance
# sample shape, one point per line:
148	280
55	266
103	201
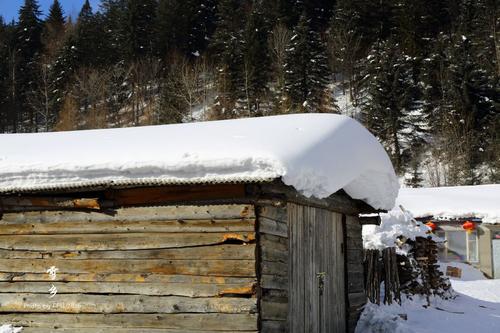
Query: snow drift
318	154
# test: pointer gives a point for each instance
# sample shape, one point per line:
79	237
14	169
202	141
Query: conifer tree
54	29
203	25
228	45
307	73
28	49
114	21
392	107
256	62
139	28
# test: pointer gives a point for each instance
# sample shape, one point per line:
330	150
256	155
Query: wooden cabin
467	218
147	255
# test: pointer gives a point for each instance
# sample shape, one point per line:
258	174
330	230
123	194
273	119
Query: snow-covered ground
9	329
476	308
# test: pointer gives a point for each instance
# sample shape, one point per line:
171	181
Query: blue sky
9	9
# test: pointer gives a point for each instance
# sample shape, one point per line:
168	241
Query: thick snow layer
318	154
9	329
476	308
393	224
482	201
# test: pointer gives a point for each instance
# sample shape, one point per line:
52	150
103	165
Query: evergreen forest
421	75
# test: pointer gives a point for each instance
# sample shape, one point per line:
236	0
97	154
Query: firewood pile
416	273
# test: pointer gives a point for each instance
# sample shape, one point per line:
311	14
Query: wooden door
316	275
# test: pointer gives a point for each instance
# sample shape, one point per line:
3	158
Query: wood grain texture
223	251
119	241
242	268
184	322
82	303
246	288
316	277
181	212
107	227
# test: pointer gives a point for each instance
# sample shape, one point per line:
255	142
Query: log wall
140	269
273	267
356	295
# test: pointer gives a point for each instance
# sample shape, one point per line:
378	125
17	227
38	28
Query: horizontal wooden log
125	277
338	202
274	241
81	303
121	241
273	254
273	326
104	227
273	311
237	268
179	193
133	288
274	268
371	219
276	213
159	213
273	282
125	330
274	295
223	251
268	226
49	202
356	299
189	321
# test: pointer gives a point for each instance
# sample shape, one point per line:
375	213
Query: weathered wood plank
121	241
182	212
81	303
120	330
274	282
125	277
274	241
272	254
178	193
210	321
152	289
274	326
105	227
244	268
274	268
276	213
50	202
223	251
268	226
273	311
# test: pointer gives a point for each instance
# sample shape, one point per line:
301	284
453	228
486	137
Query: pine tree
29	48
307	72
88	38
392	109
256	62
3	77
139	28
54	29
113	22
202	25
173	21
228	46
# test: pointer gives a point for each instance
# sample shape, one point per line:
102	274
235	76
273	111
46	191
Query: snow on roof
481	201
318	154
